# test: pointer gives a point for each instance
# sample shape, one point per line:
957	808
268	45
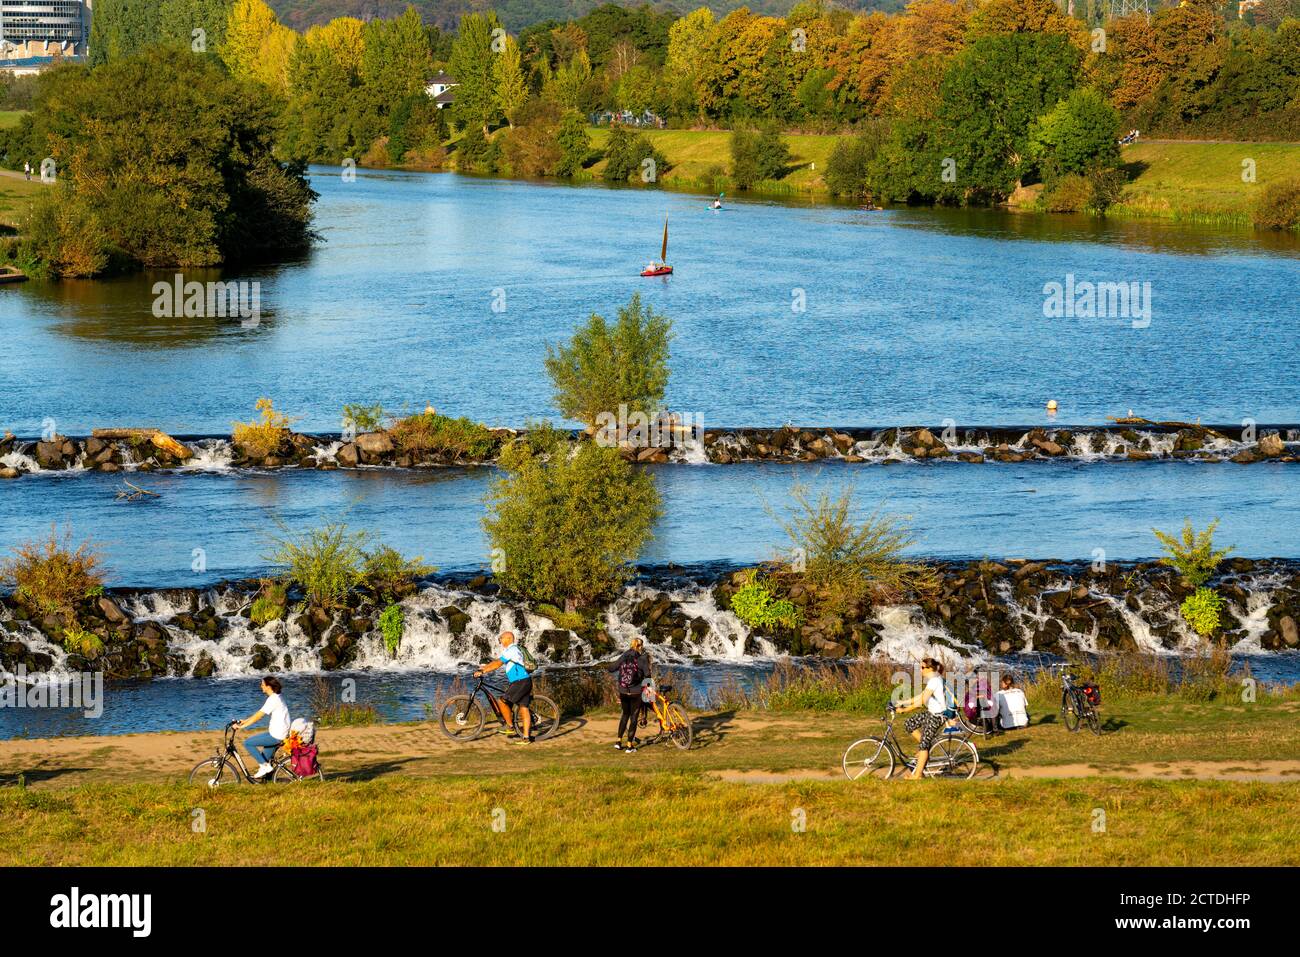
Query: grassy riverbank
698	156
16	195
1187	181
1175	781
1202	182
608	817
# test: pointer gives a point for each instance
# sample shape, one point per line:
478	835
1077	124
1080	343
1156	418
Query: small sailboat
660	268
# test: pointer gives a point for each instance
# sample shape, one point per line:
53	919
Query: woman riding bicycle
262	746
632	669
927	726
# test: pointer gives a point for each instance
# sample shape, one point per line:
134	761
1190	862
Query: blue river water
446	289
729	513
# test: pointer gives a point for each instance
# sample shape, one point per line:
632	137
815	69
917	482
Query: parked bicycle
673	721
1079	701
227	767
462	717
952	756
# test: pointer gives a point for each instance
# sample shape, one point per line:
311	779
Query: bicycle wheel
461	718
868	758
215	772
283	773
1070	710
1093	719
546	717
979	725
952	758
679	728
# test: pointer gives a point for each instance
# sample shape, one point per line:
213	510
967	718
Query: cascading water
183	632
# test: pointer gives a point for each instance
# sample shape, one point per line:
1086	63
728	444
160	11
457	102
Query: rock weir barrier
980	610
145	450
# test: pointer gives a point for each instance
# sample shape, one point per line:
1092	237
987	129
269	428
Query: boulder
204	667
112	614
1286	626
375	443
1271	446
49	455
348	457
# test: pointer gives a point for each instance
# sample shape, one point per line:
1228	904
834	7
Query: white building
440	90
44	29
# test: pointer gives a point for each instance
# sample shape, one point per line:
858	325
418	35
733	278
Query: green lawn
10	118
1202	181
694	153
605	817
16	195
1172	180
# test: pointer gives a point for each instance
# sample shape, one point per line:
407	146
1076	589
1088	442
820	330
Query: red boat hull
661	271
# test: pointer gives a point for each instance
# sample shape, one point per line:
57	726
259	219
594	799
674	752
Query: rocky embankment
145	450
979	608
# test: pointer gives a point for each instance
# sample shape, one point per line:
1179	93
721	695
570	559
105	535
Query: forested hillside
515	14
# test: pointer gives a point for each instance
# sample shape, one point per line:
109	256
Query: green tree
1078	135
395	64
574	144
569	522
508	77
604	368
471	64
989	98
250	25
850	167
626	154
175	158
758	155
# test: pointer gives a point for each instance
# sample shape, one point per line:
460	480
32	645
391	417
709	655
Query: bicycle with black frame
1079	701
463	717
227	766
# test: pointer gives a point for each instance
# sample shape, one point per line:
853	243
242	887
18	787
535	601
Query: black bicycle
462	717
227	767
1077	702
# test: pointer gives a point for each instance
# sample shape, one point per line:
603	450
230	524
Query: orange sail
663	253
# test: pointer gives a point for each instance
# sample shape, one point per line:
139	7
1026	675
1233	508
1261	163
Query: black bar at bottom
294	906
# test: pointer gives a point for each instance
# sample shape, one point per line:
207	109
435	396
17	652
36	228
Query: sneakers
508	732
618	745
520	739
263	770
630	749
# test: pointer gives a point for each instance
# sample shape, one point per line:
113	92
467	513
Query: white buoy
1051	405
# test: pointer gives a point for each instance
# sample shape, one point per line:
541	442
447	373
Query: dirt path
1266	771
742	747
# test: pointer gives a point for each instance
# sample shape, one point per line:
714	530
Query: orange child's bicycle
673	721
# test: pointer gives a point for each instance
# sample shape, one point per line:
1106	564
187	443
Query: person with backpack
632	668
519	665
939	708
262	746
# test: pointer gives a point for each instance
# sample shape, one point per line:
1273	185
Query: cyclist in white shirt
262	746
927	726
1013	707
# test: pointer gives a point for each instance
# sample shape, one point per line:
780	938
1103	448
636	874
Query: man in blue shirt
519	692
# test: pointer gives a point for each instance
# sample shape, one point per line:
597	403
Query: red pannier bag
302	761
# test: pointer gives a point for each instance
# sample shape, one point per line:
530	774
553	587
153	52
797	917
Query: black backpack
629	674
